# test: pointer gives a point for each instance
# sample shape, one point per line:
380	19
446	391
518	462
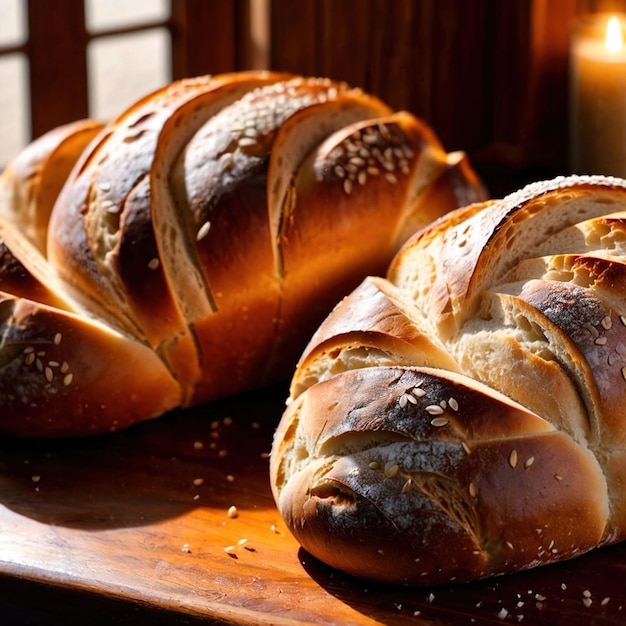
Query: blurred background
490	76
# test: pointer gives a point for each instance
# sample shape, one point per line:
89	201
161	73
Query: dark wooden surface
134	526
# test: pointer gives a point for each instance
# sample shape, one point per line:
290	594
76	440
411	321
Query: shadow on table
151	471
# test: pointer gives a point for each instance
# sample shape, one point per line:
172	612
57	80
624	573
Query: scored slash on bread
465	416
208	227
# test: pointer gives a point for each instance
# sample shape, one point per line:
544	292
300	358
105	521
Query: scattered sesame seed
104	186
233	512
198	445
48	374
391	470
198	481
466	447
245	142
408	485
607	322
529	461
203	231
453	404
374	465
600	341
153	264
65	366
67	379
434	409
30	358
503	613
622	319
439	422
186	548
57	339
347	186
473	490
513	458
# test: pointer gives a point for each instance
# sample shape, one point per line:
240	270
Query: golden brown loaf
188	249
466	416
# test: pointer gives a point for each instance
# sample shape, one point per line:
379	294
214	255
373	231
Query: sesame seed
203	231
529	461
438	422
245	142
198	481
229	549
624	372
347	186
154	263
65	366
513	458
607	322
453	404
418	392
53	364
473	490
509	545
391	470
466	448
67	380
600	341
340	172
242	542
30	358
29	350
406	488
233	512
434	409
104	186
622	319
391	178
48	374
39	365
374	465
57	339
402	401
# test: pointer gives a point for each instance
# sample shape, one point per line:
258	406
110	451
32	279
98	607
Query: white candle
598	96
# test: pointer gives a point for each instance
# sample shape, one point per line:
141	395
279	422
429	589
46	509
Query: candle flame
614	39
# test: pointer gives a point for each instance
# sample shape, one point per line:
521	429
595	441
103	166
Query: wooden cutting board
144	516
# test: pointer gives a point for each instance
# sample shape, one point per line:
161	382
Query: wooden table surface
136	525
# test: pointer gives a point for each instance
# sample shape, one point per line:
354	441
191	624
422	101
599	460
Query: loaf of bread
188	249
465	416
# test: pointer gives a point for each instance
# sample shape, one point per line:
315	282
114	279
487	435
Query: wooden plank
58	64
137	523
295	36
203	37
